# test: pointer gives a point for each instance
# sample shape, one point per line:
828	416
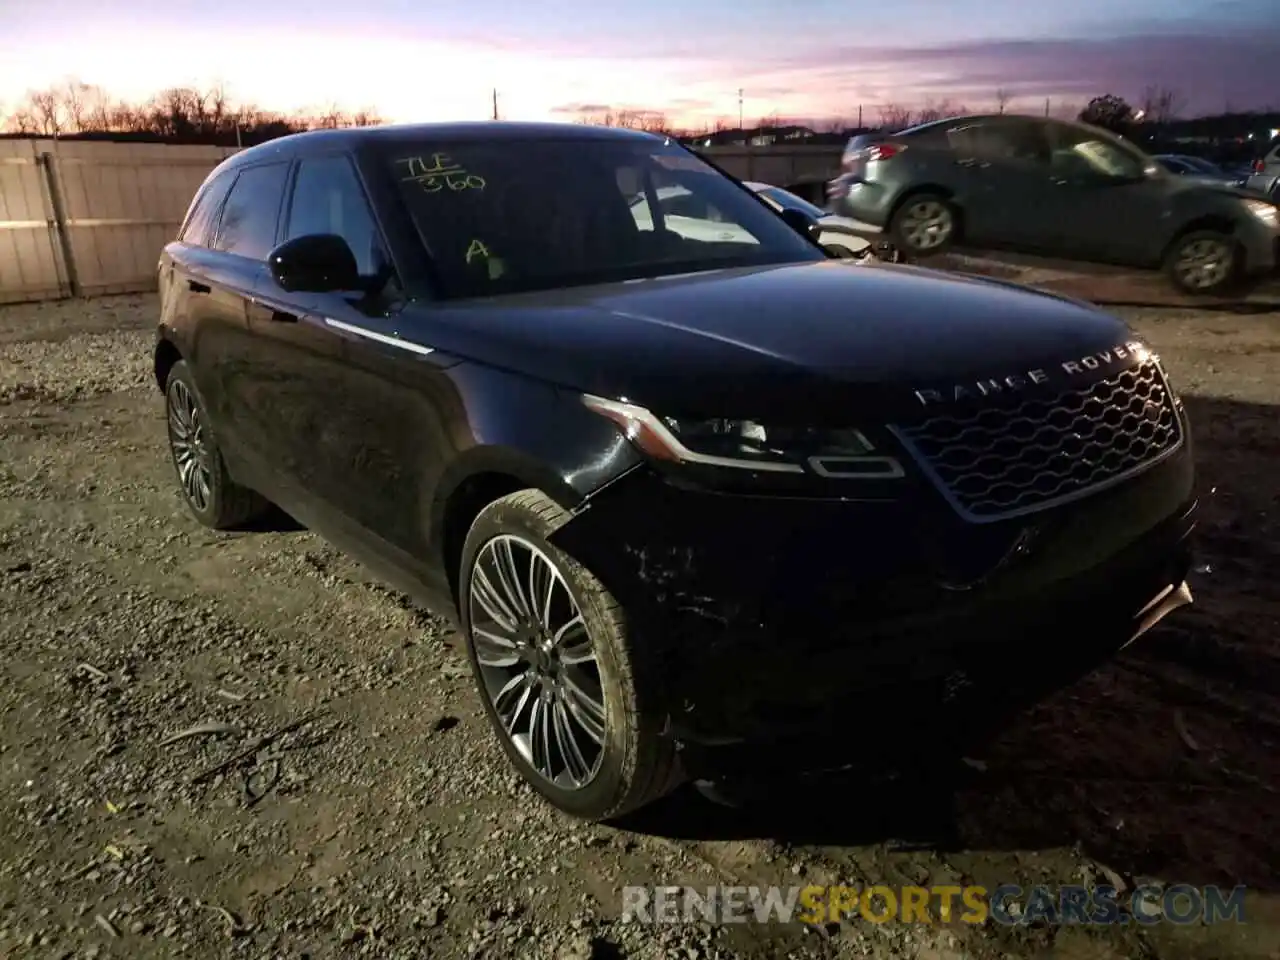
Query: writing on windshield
441	173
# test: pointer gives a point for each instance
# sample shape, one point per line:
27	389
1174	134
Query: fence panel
123	202
31	261
80	218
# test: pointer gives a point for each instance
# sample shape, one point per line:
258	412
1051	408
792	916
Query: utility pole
740	126
859	116
1046	106
495	103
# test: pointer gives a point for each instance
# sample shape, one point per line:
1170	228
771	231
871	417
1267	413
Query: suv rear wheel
1203	262
211	495
924	225
560	674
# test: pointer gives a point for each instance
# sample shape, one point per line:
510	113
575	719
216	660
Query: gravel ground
379	818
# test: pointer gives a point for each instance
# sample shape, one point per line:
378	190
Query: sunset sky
810	58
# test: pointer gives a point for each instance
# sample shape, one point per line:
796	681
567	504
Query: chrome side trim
351	328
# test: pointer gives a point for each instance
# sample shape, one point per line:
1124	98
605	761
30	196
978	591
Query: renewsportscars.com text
1008	904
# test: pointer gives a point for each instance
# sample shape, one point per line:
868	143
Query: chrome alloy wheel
537	663
1204	264
927	225
190	447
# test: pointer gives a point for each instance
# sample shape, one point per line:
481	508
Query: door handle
197	287
263	308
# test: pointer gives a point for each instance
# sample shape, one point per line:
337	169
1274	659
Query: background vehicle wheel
562	678
925	225
212	496
1203	262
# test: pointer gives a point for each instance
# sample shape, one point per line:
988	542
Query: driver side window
328	198
1081	153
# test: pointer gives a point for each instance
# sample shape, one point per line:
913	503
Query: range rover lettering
697	508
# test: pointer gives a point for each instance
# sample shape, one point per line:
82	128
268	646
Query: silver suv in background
1056	189
1265	177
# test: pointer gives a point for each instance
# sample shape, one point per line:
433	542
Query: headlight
748	445
1264	211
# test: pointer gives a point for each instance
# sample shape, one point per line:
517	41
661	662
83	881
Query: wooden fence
82	219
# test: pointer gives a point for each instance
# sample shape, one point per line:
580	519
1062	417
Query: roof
473	131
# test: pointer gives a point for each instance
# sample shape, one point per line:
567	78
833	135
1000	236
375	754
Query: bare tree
47	111
894	116
75	97
1003	99
1161	104
939	110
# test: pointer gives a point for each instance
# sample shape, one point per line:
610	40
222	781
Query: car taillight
1259	166
877	151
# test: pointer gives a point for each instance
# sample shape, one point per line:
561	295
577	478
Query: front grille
1028	454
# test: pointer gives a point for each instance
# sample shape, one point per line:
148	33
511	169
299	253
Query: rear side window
248	224
328	198
1004	141
198	230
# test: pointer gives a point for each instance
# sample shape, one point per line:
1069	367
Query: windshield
789	201
1203	166
505	216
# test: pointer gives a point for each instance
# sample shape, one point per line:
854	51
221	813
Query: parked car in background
839	236
693	504
1205	171
1053	188
692	216
1264	176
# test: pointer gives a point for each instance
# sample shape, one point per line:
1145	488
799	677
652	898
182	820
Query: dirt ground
386	824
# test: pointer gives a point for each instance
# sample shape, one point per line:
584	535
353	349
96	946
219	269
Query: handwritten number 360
455	182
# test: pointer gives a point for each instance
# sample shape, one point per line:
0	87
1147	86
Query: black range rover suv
693	505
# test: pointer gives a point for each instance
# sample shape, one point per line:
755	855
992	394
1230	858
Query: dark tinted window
508	215
1173	165
328	198
1001	140
198	230
248	224
1200	165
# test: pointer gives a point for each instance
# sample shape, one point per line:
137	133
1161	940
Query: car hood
800	341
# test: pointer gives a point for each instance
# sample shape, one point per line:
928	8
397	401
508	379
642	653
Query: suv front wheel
561	675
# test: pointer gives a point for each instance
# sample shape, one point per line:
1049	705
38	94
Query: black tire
924	225
637	762
1194	269
225	505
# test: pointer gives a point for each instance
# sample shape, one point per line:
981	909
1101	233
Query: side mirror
801	222
315	263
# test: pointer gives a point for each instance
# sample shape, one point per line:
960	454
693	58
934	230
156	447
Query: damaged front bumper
826	628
